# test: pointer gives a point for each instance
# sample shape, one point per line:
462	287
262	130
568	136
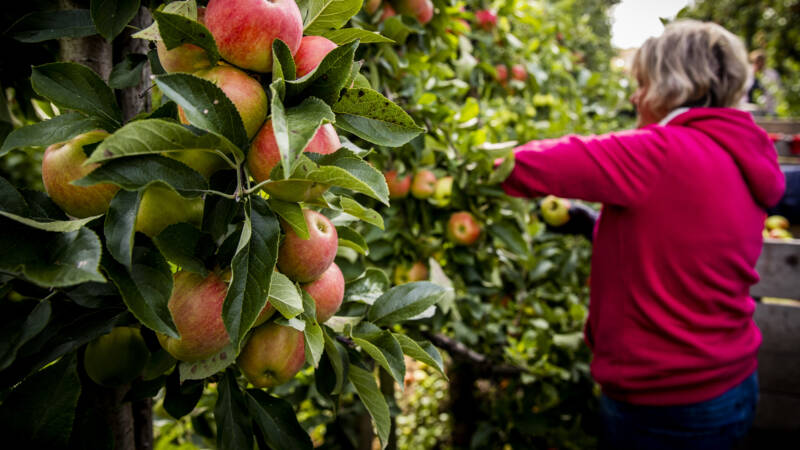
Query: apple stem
225	158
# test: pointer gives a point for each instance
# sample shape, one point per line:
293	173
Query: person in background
670	318
763	84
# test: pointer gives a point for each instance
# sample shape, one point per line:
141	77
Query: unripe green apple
775	222
62	164
205	163
417	272
116	358
424	184
555	210
187	58
327	292
398	185
196	308
463	229
161	207
272	355
443	191
264	154
244	91
305	260
312	51
245	29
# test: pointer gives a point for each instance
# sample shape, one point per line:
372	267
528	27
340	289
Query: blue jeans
714	424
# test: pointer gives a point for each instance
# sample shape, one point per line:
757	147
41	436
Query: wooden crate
785	126
779	321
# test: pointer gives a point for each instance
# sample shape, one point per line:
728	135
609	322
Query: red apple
327	292
417	272
370	6
502	73
305	260
421	9
463	229
245	92
486	19
264	154
518	72
312	51
398	186
424	184
196	308
388	12
267	312
62	164
245	29
184	58
272	355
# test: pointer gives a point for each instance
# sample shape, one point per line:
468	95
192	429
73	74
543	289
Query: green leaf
510	234
187	8
355	209
42	134
314	339
138	172
338	359
111	16
368	288
425	352
369	393
234	429
186	247
205	106
200	370
374	118
292	213
327	79
283	65
51	259
404	302
354	174
350	238
328	14
348	35
43	26
277	421
284	296
119	225
77	87
385	350
40	411
145	137
11	200
13	339
303	121
58	226
146	288
128	72
396	29
252	267
180	398
176	30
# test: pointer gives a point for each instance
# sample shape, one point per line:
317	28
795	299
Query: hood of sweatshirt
747	143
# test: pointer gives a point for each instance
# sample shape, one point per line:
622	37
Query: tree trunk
92	51
365	434
143	423
135	99
463	404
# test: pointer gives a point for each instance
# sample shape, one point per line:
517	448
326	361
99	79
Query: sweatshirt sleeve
615	168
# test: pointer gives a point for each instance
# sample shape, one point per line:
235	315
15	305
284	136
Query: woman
670	318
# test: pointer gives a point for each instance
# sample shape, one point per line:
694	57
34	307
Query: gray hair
691	64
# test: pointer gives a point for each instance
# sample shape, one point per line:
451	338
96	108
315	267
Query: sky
636	20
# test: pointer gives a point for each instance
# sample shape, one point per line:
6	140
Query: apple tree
197	192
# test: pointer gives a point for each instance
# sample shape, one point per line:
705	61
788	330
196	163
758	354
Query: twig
460	352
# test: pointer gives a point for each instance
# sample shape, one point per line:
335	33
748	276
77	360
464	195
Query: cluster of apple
518	73
486	19
422	10
777	227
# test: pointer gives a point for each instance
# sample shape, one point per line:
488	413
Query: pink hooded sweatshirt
670	318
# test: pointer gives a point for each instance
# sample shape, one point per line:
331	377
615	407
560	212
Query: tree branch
460	352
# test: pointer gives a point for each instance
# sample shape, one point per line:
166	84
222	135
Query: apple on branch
398	185
116	358
305	260
312	51
327	292
407	274
245	30
264	153
272	355
463	229
424	184
187	58
62	164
